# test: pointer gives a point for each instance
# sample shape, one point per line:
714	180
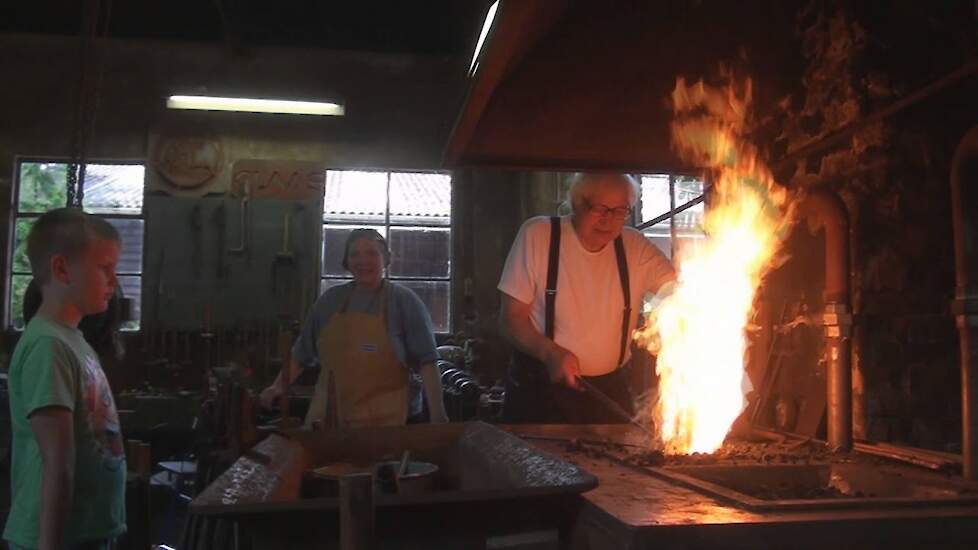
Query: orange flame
698	331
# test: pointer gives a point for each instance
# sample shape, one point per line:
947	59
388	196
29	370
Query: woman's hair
100	330
582	186
370	234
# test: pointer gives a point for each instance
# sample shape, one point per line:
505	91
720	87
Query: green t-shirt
53	365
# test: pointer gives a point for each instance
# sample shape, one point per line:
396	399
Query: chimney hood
584	84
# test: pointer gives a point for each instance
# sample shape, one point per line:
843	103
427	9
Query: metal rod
613	406
674	211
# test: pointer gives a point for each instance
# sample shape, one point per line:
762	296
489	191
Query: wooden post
357	512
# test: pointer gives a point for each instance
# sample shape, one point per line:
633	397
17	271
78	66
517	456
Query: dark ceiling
392	26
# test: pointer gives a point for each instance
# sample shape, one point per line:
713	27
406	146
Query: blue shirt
408	324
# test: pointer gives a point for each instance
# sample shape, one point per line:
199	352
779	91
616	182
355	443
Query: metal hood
584	84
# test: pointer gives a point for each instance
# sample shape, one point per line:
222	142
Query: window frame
674	209
16	215
386	224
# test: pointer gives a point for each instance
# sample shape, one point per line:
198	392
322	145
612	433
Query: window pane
421	198
434	294
114	188
132	288
659	235
691	219
22	227
131	232
420	252
355	196
18	284
326	284
42	186
334	244
655	196
688	223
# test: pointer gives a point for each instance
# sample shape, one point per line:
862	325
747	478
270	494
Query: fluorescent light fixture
486	25
248	105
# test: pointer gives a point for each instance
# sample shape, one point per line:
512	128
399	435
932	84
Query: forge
770	473
764	487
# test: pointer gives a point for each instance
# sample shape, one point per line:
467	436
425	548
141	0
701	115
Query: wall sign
187	161
278	179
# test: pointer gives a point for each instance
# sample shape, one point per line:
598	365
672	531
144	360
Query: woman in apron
367	337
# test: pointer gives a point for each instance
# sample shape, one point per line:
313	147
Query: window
112	191
413	211
661	195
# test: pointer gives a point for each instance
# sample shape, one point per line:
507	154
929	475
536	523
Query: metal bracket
837	320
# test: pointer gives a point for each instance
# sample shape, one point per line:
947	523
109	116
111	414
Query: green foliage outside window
42	187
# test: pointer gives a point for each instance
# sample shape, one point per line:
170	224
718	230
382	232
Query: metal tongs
613	406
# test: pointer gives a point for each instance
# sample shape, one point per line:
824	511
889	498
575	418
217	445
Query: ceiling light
249	105
486	25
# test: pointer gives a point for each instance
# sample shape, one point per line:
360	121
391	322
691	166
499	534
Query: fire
698	331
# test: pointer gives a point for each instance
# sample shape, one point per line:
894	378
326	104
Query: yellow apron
369	383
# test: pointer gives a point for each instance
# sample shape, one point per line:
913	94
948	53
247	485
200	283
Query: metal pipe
824	210
838	136
964	212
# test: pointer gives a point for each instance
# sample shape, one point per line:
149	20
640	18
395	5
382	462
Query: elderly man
571	290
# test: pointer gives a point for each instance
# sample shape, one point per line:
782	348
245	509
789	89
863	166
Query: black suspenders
552	266
551	292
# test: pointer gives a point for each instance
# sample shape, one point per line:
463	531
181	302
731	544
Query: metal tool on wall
220	222
196	238
285	272
242	247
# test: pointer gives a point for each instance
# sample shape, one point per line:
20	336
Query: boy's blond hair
65	232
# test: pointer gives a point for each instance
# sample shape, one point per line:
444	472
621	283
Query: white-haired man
571	292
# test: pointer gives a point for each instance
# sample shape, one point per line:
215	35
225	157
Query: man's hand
563	367
514	324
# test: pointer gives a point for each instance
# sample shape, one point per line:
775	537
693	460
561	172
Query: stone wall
893	176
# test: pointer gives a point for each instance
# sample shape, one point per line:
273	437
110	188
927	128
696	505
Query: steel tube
839	387
824	210
964	212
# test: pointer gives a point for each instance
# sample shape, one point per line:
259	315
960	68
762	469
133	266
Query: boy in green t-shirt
68	471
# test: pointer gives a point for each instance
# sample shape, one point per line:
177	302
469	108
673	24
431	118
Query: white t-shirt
590	304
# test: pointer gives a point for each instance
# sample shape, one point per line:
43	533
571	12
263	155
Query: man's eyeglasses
602	211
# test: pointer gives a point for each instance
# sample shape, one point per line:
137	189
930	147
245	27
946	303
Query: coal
733	452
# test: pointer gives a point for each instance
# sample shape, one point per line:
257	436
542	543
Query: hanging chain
72	182
86	101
